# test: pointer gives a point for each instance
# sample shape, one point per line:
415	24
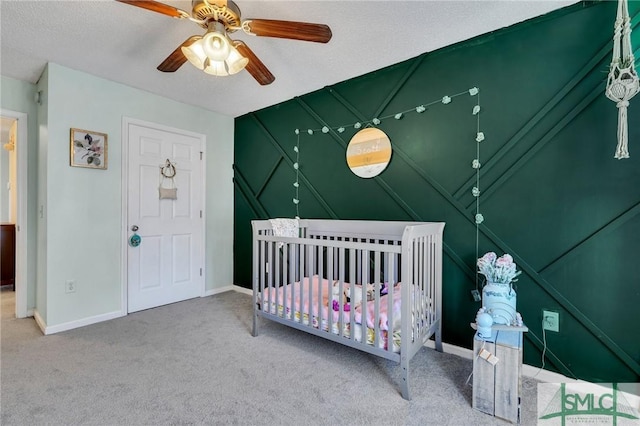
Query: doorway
13	205
164	257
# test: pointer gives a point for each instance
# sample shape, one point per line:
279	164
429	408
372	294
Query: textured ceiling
125	44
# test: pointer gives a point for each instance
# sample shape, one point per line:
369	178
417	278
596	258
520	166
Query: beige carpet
195	362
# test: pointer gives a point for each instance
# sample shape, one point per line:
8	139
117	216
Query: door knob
135	240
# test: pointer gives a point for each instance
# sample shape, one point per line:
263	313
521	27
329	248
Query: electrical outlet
551	321
70	286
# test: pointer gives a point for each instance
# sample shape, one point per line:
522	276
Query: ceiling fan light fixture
236	62
216	46
214	52
233	64
217	68
195	54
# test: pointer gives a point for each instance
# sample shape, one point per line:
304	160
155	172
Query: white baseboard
243	290
40	321
527	370
218	290
451	349
74	324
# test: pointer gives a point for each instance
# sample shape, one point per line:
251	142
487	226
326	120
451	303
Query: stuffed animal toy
346	301
335	294
357	295
338	299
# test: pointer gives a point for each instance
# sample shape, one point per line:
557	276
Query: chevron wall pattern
553	196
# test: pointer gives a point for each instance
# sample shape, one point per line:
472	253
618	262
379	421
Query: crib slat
274	272
330	272
310	273
352	290
376	307
341	266
288	268
435	280
285	279
390	298
364	267
320	289
301	265
416	292
428	262
263	249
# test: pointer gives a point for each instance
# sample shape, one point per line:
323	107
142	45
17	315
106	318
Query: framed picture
88	149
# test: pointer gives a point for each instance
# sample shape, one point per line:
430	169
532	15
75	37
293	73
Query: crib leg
254	332
404	384
438	336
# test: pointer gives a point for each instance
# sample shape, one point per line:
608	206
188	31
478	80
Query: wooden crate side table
497	388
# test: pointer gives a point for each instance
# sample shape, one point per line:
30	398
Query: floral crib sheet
321	289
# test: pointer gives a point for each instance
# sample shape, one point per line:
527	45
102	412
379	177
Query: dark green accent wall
553	196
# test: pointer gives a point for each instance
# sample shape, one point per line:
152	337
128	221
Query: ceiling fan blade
155	6
176	59
255	67
305	31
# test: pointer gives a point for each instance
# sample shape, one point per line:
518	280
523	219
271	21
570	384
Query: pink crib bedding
321	289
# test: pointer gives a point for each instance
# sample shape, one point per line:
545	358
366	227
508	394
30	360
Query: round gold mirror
369	152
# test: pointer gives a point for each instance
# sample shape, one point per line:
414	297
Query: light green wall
17	96
43	145
83	207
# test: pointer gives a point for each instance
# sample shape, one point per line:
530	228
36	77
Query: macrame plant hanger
622	82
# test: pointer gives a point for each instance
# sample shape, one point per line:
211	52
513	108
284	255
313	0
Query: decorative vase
499	301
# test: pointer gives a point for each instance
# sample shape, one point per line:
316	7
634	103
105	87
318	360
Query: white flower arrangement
499	270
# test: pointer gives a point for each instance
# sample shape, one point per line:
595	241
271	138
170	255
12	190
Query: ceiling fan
217	54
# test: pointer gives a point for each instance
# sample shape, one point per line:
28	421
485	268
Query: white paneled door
166	266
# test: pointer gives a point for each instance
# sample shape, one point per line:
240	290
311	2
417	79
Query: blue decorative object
499	300
484	323
135	240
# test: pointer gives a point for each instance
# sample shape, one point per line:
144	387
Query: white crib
372	285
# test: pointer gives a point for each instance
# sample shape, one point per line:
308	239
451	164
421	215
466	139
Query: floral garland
445	100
